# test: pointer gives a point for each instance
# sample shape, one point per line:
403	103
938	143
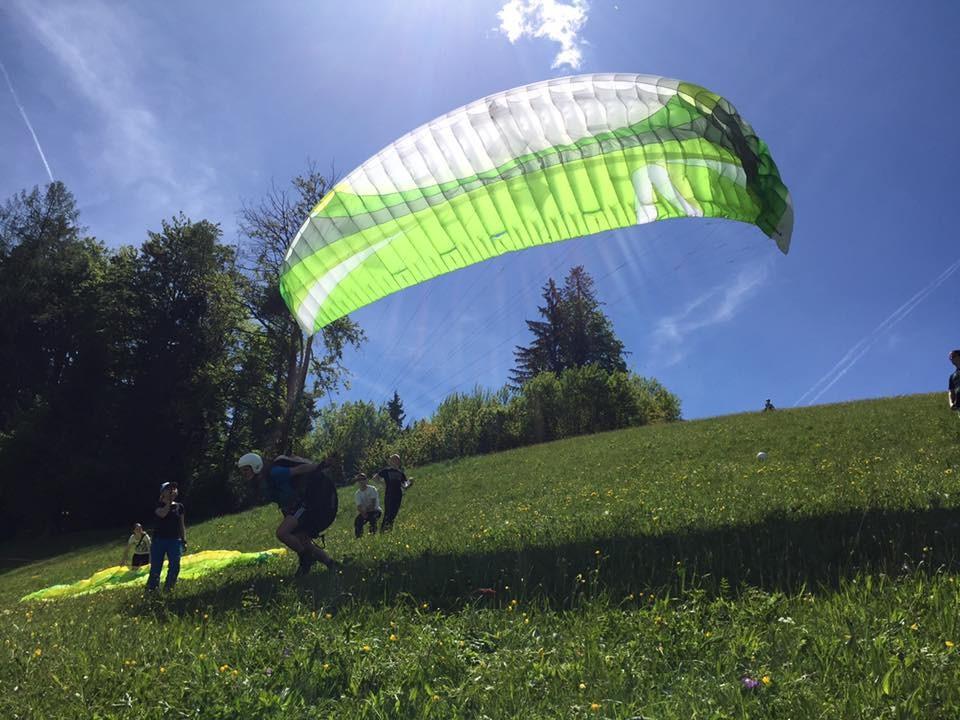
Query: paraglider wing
537	164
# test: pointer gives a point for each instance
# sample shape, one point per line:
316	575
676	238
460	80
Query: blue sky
147	109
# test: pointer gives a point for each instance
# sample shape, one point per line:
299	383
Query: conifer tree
573	332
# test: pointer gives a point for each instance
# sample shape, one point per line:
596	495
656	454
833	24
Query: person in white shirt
368	506
139	542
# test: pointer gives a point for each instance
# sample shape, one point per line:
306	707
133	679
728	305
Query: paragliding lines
846	363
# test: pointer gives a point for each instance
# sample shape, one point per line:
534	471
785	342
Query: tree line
125	367
572	379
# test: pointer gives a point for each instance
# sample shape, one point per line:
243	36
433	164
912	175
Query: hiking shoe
306	562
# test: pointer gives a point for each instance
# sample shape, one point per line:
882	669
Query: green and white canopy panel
537	164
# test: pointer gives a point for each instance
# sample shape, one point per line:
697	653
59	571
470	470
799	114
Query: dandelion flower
766	680
38	652
366	648
393	638
595	707
948	643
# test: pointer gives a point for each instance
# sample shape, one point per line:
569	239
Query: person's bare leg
287	534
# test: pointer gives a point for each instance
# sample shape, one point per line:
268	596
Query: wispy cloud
23	114
717	305
117	66
853	355
557	21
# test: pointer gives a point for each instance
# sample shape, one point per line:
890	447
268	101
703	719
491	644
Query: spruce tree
395	409
573	332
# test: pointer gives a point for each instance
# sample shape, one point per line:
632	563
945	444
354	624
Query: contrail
854	354
23	113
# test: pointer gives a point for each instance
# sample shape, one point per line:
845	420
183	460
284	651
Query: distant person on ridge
396	482
768	406
306	497
368	506
954	382
139	542
169	538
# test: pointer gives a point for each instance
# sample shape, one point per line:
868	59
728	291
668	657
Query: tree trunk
298	365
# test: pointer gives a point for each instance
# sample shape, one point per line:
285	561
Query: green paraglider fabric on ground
192	566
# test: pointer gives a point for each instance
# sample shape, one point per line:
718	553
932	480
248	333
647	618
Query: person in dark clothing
169	537
396	483
306	497
953	384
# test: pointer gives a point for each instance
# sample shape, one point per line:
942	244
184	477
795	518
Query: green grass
640	573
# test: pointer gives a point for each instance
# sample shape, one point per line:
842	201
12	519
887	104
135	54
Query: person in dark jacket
953	384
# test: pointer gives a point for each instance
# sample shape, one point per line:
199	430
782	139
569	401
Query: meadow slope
656	572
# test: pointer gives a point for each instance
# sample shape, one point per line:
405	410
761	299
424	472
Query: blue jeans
172	549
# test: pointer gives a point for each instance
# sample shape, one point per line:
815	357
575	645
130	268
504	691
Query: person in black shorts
954	383
396	483
139	542
306	497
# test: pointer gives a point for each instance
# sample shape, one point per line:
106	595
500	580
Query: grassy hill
657	572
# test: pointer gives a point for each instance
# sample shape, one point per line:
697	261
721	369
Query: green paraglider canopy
541	163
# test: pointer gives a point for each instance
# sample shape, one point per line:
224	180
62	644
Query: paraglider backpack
316	489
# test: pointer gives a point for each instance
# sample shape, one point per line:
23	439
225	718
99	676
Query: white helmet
252	461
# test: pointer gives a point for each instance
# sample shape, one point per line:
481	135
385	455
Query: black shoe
306	562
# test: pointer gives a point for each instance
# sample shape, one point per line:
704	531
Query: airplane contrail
23	113
846	363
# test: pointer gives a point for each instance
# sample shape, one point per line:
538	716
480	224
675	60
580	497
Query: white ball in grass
762	456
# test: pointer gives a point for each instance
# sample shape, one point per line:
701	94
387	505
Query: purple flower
748	682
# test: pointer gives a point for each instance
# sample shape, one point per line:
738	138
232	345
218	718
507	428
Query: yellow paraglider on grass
192	566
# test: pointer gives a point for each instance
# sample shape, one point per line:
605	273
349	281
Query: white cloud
120	69
557	21
718	305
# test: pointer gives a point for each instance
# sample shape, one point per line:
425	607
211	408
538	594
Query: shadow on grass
786	554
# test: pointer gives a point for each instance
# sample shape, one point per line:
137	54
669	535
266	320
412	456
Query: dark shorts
140	560
313	522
